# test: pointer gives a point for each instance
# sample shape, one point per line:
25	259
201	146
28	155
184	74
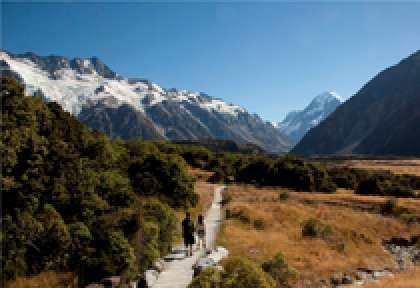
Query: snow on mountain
297	123
91	91
73	88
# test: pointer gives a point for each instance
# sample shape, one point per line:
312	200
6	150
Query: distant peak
328	95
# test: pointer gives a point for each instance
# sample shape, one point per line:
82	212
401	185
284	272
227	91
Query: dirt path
178	272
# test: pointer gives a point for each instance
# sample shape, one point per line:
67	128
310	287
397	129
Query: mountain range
137	108
297	123
382	118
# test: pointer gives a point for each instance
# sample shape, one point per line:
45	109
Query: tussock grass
409	166
356	241
45	280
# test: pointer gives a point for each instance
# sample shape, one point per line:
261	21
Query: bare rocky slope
383	118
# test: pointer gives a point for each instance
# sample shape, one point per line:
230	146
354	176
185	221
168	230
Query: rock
347	279
337	278
151	277
359	282
399	241
380	274
159	265
211	259
111	282
218	254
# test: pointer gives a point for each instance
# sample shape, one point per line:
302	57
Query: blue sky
268	57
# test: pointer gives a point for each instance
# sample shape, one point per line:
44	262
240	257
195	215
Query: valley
284	137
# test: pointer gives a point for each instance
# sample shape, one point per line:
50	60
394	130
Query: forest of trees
75	200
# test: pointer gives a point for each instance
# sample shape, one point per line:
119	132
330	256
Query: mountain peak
297	123
328	96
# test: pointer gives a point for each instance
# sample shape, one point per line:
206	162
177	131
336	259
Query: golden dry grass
410	279
409	166
356	241
45	280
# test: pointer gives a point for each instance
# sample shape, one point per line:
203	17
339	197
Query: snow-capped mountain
130	108
297	123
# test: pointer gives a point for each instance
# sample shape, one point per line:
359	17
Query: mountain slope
382	118
297	123
130	108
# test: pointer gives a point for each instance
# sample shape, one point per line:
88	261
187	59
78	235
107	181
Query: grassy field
355	242
397	166
45	280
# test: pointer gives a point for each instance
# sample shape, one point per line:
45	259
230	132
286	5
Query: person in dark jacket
188	230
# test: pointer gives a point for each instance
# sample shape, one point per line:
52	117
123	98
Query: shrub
160	213
371	186
315	228
328	187
390	206
279	269
208	278
239	213
386	185
408	217
284	195
238	273
244	273
399	191
227	197
259	224
417	244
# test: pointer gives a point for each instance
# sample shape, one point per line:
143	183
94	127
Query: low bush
279	269
259	224
408	217
396	190
208	278
385	185
284	195
227	197
238	273
316	229
417	244
390	206
239	213
244	273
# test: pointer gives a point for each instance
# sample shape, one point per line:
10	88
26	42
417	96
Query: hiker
188	233
201	232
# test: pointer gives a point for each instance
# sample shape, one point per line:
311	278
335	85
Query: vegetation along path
179	272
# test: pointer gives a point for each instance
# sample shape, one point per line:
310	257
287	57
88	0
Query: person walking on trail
201	232
188	233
